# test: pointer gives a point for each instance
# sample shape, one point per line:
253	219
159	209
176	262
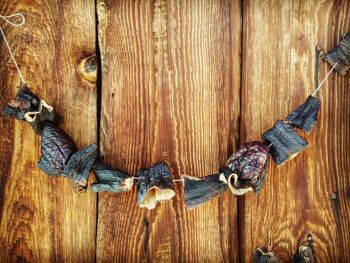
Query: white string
319	86
21	23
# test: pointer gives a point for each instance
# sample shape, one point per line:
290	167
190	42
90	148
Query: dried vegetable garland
244	171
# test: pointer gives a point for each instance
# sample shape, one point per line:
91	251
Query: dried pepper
286	143
340	54
27	106
261	256
111	180
56	149
200	190
79	166
154	185
246	169
305	116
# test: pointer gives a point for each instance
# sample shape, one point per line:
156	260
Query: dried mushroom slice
260	256
341	55
79	166
154	184
246	169
305	116
56	149
200	190
28	107
111	180
286	143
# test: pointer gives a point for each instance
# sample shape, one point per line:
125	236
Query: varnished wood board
42	219
278	72
170	90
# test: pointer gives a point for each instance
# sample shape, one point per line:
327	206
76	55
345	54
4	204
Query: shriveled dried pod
155	184
24	102
286	143
341	55
305	116
261	256
246	169
200	190
28	107
56	149
304	255
79	166
111	180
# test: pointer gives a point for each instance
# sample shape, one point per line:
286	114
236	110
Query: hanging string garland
244	171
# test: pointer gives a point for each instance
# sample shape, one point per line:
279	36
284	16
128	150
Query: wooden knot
87	68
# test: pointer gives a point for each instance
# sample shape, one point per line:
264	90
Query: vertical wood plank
171	83
279	43
42	219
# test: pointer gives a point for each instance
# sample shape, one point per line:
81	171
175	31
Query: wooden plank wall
184	81
42	219
278	69
170	90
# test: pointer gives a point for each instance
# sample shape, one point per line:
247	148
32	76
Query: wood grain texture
279	44
42	219
170	90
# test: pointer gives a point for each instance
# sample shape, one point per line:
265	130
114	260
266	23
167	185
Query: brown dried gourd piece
340	54
26	106
261	256
305	116
286	143
111	180
155	184
200	190
56	149
79	166
246	169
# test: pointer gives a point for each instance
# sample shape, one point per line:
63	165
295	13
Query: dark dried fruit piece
340	54
111	180
200	190
24	102
260	256
304	255
305	116
56	149
154	184
286	143
246	169
79	166
28	107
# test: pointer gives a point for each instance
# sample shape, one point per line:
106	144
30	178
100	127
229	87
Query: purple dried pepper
56	149
246	169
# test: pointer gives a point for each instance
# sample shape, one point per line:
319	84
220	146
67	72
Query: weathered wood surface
42	219
170	90
279	45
